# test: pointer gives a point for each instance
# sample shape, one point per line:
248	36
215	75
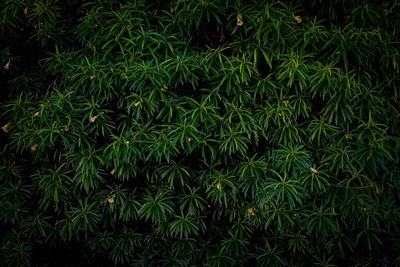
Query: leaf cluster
199	133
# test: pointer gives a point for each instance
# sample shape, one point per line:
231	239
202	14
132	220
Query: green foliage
199	133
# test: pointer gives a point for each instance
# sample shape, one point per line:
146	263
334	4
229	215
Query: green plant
199	133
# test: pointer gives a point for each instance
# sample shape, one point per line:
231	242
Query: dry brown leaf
6	128
93	119
251	211
239	20
111	199
8	65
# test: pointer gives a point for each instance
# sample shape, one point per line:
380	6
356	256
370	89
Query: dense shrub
199	133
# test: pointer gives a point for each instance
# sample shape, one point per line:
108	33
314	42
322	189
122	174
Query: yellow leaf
251	211
93	119
111	199
299	19
239	20
6	128
219	186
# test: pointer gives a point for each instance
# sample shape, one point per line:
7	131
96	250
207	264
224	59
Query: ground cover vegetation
199	133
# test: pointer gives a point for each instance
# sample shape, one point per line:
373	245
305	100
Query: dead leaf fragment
111	199
299	19
8	65
239	20
93	119
251	211
219	186
6	128
34	147
113	172
36	114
